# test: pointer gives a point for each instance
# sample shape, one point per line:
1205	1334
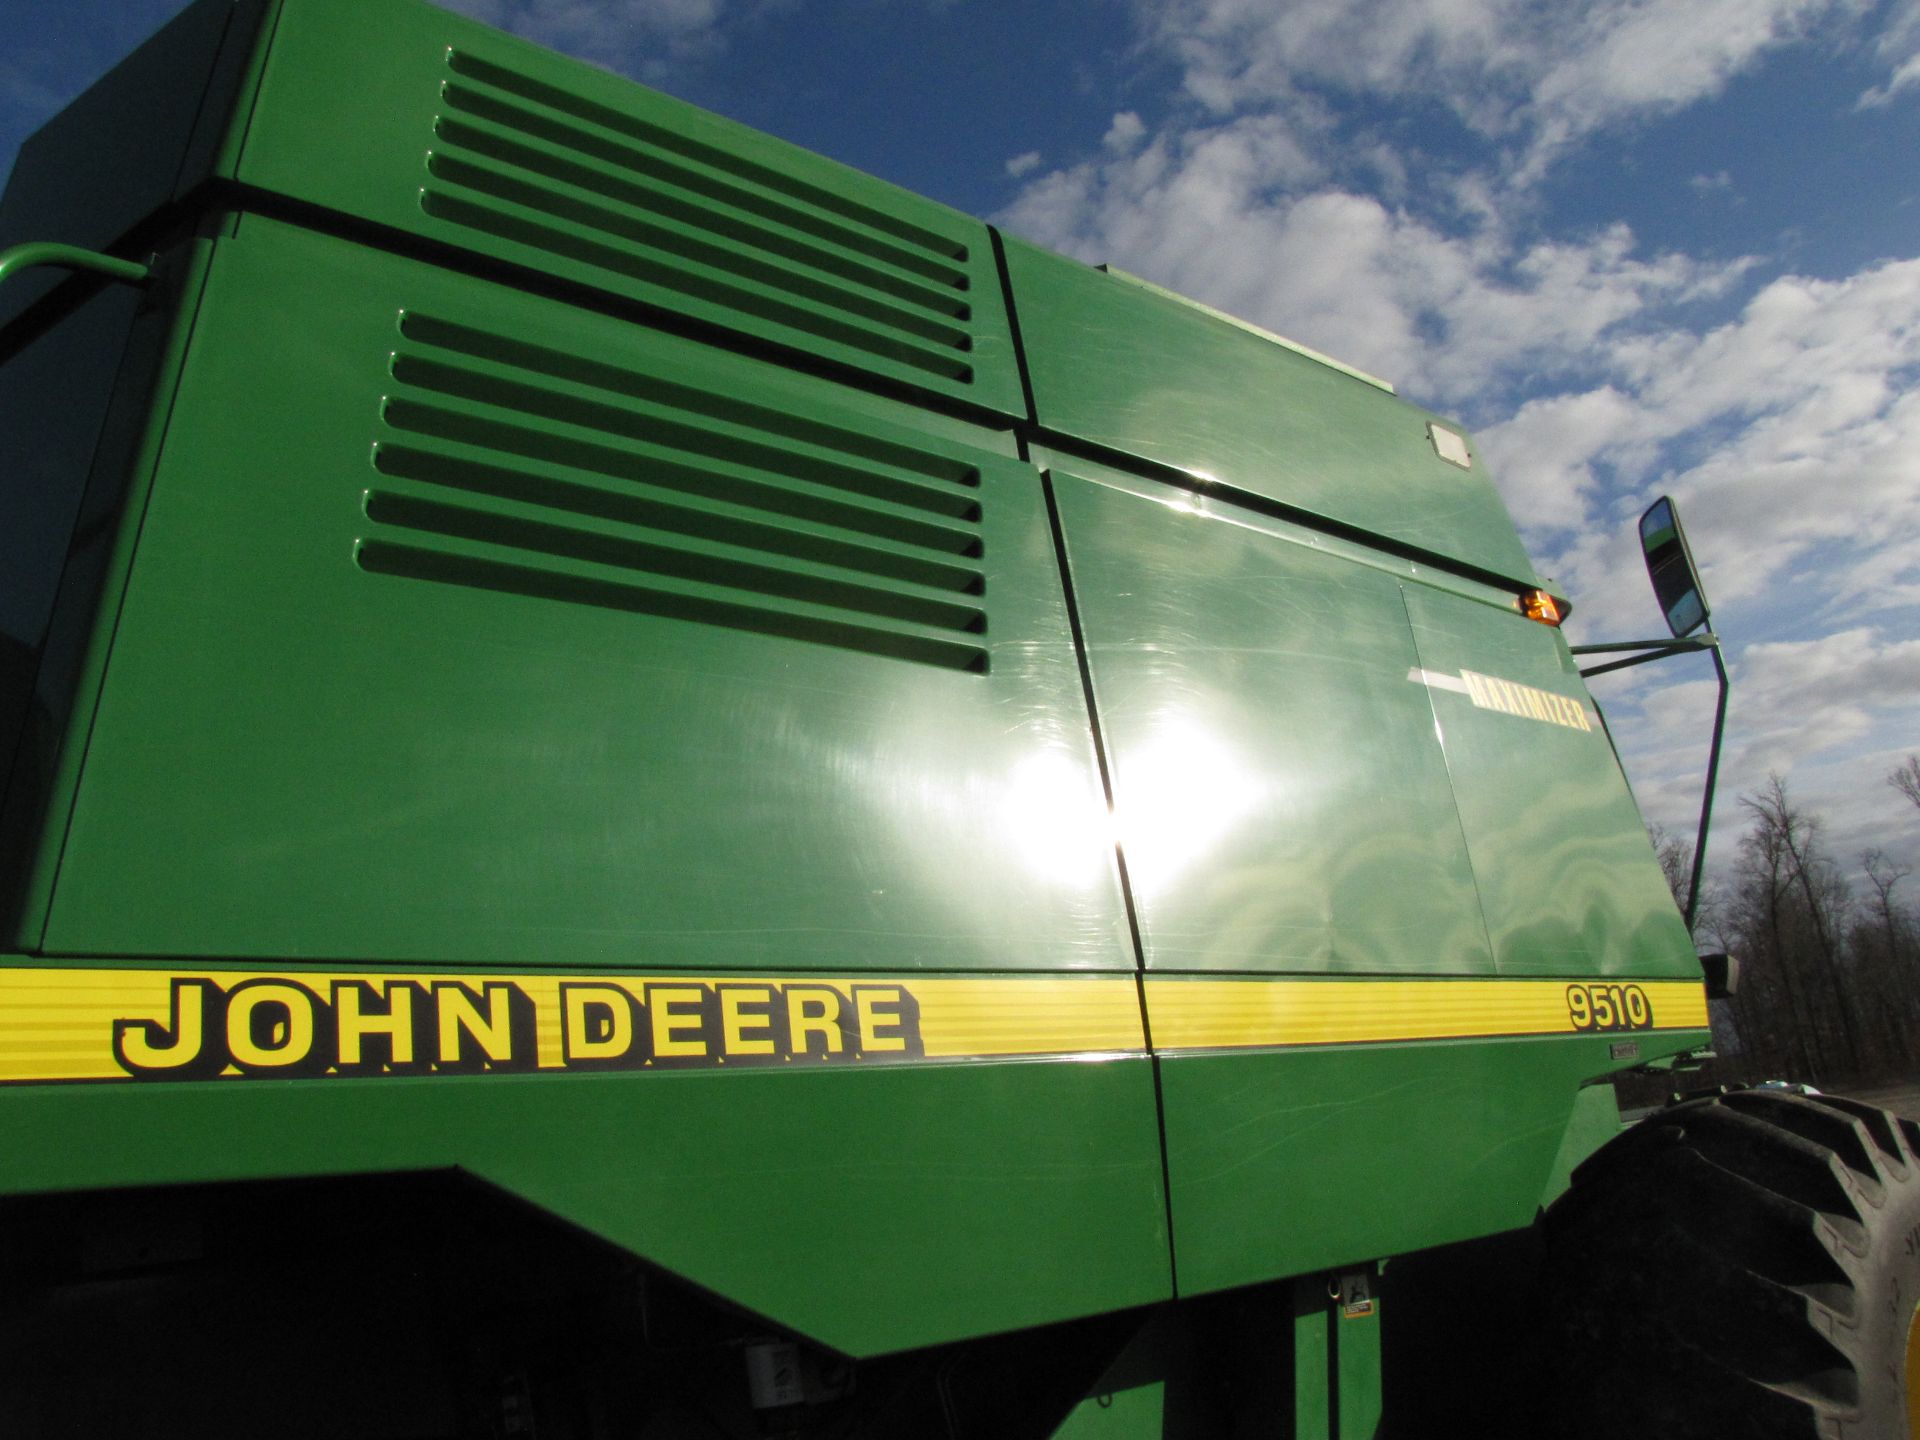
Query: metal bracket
1655	650
1660	650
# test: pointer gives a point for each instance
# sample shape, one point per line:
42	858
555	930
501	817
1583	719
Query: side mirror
1676	584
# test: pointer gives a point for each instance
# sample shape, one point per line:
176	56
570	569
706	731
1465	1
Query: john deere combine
655	789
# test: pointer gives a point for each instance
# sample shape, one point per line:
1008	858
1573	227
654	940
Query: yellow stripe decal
1232	1014
88	1024
60	1024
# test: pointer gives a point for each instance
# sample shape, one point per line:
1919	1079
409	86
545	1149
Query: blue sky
1638	245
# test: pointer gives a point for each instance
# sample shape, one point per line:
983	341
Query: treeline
1830	970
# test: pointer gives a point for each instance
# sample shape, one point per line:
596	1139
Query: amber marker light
1538	605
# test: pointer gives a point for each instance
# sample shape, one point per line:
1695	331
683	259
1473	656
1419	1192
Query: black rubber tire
1743	1267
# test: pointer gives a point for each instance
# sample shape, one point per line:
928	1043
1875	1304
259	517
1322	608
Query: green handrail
70	257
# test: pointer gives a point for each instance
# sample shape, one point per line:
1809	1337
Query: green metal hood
1137	371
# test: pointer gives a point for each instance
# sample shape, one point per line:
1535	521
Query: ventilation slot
526	470
712	157
537	166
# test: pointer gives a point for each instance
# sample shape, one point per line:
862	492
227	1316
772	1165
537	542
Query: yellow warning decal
121	1024
1189	1014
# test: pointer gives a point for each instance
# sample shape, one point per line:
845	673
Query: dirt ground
1901	1099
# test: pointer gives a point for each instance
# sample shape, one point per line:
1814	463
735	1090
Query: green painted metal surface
69	257
460	134
1595	1121
556	640
1315	1401
1336	1365
871	1209
1357	1339
1559	850
1233	659
1137	1413
1125	368
402	115
1289	1161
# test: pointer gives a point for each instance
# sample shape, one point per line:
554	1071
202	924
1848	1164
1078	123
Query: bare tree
1788	916
1882	876
1830	986
1906	778
1676	866
1886	964
1761	916
1676	860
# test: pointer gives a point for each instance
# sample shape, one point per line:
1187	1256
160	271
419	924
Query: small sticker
1356	1295
1624	1050
1450	446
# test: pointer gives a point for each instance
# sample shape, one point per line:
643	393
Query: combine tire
1744	1267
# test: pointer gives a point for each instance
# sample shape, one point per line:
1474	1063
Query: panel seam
1119	855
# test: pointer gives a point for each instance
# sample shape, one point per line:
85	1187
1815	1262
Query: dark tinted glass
1670	566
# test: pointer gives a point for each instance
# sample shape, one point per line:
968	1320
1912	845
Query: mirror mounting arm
1655	650
1660	650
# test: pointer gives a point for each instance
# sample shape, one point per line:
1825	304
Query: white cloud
1242	215
1906	77
1798	698
1804	421
1125	132
1803	414
1898	48
1550	450
1023	163
1539	75
638	37
1819	709
1628	57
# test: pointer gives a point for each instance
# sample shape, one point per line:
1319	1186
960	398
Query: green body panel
1287	1161
457	133
1596	1120
1136	371
404	116
1233	659
1357	1338
566	662
1137	1413
1313	1390
1567	887
872	1209
1336	1365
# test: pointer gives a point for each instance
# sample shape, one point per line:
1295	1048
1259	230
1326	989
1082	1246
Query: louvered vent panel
530	163
520	468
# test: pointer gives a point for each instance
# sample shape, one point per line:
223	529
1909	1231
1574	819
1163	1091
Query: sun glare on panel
1053	823
1177	796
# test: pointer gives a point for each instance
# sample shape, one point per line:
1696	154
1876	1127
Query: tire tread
1714	1272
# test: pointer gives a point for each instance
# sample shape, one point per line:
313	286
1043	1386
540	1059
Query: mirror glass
1676	584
